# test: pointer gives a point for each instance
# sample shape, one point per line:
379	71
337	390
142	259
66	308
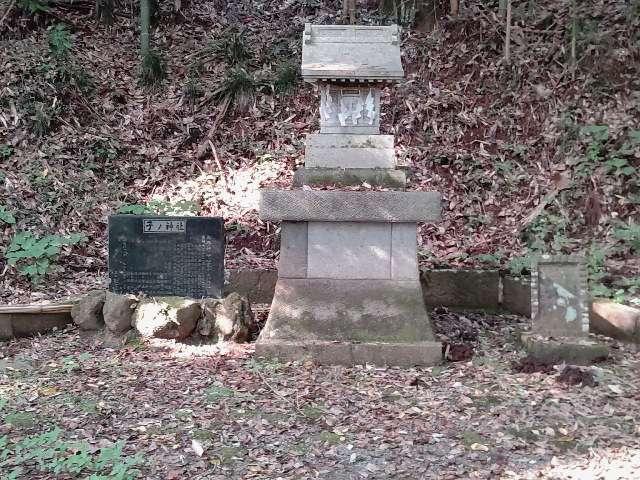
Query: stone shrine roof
351	53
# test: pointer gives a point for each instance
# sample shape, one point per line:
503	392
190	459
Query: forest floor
216	412
537	154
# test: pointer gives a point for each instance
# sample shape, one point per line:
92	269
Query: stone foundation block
516	295
576	351
349	353
347	322
461	288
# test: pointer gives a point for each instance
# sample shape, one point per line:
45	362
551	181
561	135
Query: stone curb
615	320
28	324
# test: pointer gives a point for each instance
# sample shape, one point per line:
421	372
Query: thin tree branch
6	13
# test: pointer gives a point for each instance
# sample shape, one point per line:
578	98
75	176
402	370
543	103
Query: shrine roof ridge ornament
351	53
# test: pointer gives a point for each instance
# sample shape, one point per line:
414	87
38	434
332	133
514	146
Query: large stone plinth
383	322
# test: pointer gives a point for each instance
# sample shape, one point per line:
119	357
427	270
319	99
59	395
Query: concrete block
349	158
349	151
384	311
615	320
461	288
376	177
516	295
6	327
349	250
27	324
576	351
345	206
293	250
255	284
349	354
404	254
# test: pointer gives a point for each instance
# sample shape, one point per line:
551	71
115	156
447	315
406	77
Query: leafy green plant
6	151
287	76
491	259
35	256
50	453
60	42
598	135
547	233
232	47
42	119
161	207
34	6
629	234
519	265
596	257
238	88
619	166
6	216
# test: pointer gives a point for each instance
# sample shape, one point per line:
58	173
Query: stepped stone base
349	353
347	322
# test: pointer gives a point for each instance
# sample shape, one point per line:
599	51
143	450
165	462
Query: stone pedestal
560	314
348	289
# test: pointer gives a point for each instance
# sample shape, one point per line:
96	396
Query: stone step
336	150
377	177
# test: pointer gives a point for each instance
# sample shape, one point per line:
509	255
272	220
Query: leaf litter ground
217	412
501	142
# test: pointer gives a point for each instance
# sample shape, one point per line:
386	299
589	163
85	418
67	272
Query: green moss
230	454
312	413
21	419
331	438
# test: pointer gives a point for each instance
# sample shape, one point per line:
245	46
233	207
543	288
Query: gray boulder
166	317
229	319
87	313
118	311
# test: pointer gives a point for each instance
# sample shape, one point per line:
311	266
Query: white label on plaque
163	226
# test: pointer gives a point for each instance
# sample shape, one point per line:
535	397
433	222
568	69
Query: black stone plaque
163	256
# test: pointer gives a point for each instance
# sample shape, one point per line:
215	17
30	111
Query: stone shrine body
348	289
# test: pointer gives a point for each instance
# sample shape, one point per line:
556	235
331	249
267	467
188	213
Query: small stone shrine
348	289
559	312
166	256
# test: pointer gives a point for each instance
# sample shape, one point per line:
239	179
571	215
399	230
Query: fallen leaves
196	412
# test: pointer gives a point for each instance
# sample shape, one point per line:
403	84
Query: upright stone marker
559	312
348	289
166	256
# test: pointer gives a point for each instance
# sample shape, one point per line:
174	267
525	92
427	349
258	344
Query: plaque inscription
161	256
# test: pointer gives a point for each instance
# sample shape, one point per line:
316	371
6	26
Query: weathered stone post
348	289
560	314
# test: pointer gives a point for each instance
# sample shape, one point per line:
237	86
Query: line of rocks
173	318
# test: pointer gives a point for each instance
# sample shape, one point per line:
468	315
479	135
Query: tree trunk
105	11
455	7
502	8
145	19
426	15
507	38
349	11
